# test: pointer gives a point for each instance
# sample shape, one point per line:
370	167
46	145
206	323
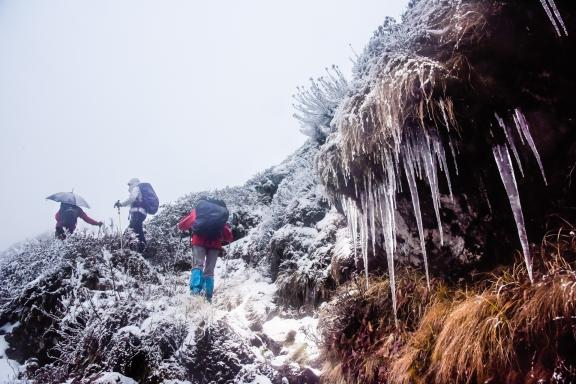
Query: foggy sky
187	95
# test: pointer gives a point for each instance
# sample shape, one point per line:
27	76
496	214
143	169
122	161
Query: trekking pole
179	245
120	229
226	266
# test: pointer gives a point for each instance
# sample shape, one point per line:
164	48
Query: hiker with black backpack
67	218
208	224
142	201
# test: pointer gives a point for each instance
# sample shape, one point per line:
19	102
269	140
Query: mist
185	95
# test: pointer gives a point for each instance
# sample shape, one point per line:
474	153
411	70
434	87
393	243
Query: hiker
208	224
67	218
142	201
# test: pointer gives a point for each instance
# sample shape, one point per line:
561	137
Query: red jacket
225	237
82	215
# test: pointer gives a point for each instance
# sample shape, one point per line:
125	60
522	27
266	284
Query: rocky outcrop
433	98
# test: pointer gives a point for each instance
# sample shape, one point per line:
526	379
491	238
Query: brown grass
358	331
500	330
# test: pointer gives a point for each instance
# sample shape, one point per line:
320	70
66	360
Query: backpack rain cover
211	216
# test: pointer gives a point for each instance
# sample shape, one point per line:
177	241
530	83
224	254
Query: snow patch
114	378
9	369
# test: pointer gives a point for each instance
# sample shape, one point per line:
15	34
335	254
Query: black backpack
69	214
211	216
149	199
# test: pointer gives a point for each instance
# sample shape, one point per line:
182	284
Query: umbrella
69	198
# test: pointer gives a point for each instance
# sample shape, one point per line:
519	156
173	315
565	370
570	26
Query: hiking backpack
211	216
148	198
69	215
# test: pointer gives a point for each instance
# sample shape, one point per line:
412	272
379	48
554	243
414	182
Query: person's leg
196	275
211	259
60	234
136	223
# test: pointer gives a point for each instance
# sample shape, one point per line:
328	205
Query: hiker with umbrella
69	212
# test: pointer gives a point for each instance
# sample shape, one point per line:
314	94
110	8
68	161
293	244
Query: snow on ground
259	379
255	310
114	377
298	338
244	299
9	369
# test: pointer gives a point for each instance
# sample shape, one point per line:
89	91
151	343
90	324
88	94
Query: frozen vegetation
84	311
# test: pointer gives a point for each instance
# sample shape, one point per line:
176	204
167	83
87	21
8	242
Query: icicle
352	218
441	156
417	212
364	237
558	15
550	16
418	154
444	116
504	163
371	205
554	14
430	170
523	129
453	151
389	232
510	140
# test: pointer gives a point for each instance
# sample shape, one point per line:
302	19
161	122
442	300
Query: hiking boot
209	288
196	281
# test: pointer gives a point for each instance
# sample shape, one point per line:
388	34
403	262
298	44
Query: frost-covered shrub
75	315
43	255
242	221
303	258
221	363
316	104
297	200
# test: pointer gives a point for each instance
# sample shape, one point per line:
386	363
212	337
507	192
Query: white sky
187	95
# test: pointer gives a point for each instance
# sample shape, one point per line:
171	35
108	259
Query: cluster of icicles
421	156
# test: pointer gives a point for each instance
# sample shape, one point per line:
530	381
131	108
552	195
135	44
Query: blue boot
196	281
209	288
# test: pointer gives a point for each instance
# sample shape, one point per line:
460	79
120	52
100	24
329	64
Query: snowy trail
244	300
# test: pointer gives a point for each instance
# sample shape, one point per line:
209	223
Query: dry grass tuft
358	331
500	330
413	361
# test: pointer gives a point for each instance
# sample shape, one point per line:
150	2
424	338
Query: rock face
433	98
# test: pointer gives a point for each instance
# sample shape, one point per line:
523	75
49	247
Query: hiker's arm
57	217
227	234
134	194
187	222
88	219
